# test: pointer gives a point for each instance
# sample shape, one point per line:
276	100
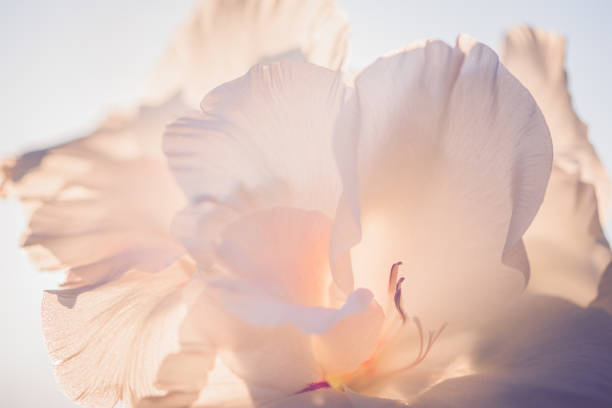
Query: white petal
559	356
567	249
225	38
352	340
108	345
537	59
103	203
566	245
452	161
261	141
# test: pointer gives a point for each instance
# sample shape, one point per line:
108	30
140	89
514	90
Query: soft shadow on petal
537	59
604	293
545	352
110	343
451	165
262	141
225	38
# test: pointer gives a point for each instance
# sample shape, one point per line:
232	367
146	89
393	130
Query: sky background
67	64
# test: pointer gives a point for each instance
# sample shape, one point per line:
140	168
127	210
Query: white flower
328	242
436	157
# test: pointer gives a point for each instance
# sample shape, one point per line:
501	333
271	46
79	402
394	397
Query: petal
537	59
352	340
560	356
225	38
283	251
222	388
260	309
566	245
313	399
262	141
567	249
276	349
104	203
109	344
362	401
342	338
271	360
451	164
604	292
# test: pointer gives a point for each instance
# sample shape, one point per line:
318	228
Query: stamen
432	337
417	322
397	298
393	277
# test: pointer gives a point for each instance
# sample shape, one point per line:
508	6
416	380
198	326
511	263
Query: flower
327	242
298	183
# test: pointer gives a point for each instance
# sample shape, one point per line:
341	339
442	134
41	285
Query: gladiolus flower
318	241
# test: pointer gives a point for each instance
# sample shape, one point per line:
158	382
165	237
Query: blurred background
67	64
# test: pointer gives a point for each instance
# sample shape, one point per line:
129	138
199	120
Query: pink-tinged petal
352	340
109	343
560	356
224	39
537	59
451	163
262	141
275	348
104	203
197	385
342	338
283	251
259	309
272	359
567	249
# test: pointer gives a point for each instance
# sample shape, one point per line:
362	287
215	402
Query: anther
397	298
393	277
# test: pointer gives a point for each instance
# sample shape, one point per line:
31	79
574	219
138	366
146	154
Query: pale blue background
65	64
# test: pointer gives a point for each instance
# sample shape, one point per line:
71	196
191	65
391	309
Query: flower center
396	323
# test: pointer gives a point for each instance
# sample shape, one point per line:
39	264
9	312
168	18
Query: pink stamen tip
314	386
